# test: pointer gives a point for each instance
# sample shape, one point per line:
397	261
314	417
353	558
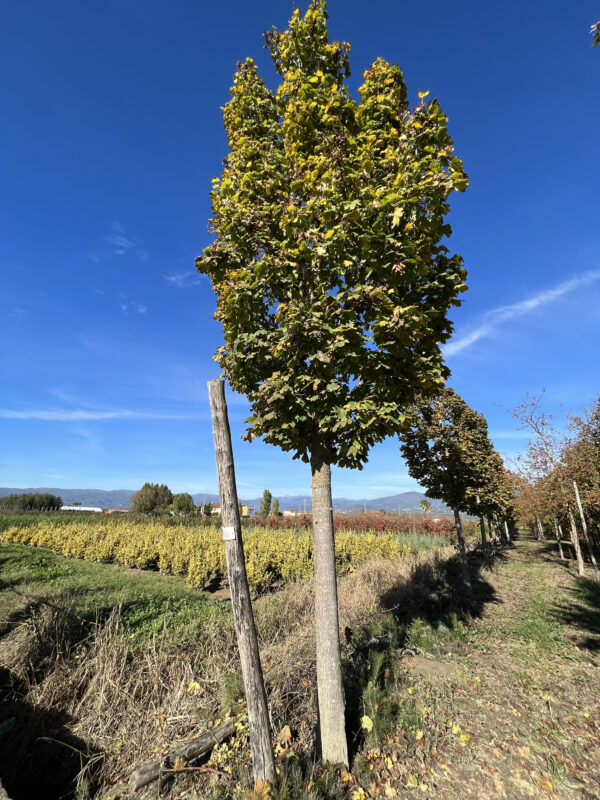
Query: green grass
536	632
418	542
148	600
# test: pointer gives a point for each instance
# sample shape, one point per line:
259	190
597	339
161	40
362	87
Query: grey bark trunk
506	531
540	530
558	541
575	543
585	533
263	763
562	536
490	531
332	727
462	548
483	539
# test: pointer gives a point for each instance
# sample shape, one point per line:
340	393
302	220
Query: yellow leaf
179	763
544	784
347	777
398	212
262	789
367	723
422	94
524	752
455	729
390	791
193	687
417	124
285	735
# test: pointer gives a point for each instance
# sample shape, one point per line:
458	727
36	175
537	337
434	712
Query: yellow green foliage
198	554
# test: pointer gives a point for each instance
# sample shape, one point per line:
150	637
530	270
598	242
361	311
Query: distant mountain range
120	498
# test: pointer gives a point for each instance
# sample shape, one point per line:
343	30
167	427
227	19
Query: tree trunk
490	531
558	541
540	530
462	548
483	539
562	536
506	531
585	533
575	542
330	690
263	763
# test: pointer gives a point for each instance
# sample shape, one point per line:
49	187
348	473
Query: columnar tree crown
448	451
332	280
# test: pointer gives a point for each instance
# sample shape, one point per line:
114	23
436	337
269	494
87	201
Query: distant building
116	510
82	508
248	511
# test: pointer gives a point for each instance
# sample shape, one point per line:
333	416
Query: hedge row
198	554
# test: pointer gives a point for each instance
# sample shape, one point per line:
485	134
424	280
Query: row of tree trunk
574	535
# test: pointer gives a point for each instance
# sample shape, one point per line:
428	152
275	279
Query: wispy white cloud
133	308
497	316
84	415
122	244
182	280
499	434
18	312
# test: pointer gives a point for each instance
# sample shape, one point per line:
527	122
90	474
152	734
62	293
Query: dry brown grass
121	703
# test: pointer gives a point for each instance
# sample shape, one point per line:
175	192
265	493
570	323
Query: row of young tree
31	501
155	498
559	480
448	451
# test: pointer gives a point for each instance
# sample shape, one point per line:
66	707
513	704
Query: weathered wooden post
258	716
585	533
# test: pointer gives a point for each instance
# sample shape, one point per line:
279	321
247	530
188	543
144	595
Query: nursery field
481	696
272	556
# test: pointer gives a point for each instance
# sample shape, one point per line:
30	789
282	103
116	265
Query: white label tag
228	534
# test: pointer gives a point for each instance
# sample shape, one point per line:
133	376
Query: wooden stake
256	698
585	532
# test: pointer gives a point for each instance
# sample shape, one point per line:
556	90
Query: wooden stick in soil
585	533
197	747
258	716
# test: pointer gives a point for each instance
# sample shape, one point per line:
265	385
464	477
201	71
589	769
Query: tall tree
447	451
152	498
184	504
265	504
543	460
275	510
332	281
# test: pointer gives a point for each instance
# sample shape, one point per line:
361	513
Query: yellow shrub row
271	555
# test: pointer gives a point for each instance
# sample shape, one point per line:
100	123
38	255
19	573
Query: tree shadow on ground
435	592
583	612
433	601
549	552
39	757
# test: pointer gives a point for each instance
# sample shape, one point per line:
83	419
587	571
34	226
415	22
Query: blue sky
111	134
